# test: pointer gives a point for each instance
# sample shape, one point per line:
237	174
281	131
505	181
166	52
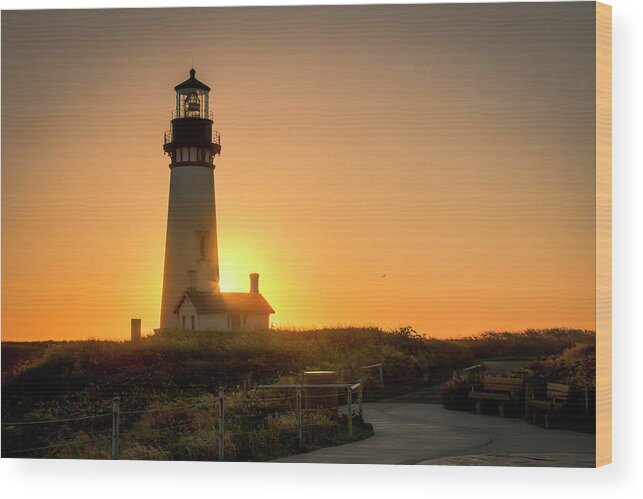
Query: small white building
223	311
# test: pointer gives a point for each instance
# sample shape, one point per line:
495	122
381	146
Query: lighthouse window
192	105
202	247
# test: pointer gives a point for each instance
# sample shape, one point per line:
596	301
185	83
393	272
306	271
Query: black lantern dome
192	82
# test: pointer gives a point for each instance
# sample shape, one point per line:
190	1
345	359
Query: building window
192	323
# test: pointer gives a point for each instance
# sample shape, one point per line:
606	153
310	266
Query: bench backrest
557	391
498	384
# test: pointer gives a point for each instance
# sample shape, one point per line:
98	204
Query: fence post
381	375
221	407
349	394
300	432
360	393
116	413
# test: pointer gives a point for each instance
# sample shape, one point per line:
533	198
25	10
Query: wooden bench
497	389
556	398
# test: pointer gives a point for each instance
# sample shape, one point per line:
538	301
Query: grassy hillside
57	379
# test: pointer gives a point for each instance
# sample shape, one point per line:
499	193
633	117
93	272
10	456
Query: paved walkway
429	434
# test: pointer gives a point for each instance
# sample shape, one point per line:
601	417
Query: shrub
455	395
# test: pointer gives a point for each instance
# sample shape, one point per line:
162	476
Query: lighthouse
191	296
191	253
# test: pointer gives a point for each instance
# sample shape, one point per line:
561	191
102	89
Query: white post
116	411
300	433
221	406
360	393
381	375
349	394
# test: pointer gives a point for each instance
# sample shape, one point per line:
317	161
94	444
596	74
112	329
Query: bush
455	395
528	343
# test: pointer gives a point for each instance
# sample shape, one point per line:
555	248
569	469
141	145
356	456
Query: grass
254	432
52	380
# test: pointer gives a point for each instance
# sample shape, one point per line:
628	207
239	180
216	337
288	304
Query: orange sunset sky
447	147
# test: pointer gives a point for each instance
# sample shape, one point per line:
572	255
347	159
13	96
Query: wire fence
297	401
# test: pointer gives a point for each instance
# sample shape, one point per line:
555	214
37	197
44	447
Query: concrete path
429	434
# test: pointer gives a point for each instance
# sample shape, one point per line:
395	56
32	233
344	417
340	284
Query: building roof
192	82
207	302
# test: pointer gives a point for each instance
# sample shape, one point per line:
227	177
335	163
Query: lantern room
192	98
191	139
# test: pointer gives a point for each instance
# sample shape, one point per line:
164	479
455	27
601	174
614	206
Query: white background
623	478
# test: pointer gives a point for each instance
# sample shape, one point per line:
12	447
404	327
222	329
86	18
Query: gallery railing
167	137
192	114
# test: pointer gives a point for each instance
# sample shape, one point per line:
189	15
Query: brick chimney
254	283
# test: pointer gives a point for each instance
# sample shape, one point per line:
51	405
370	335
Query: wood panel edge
603	234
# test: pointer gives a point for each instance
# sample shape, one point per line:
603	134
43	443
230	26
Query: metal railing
202	115
354	407
168	136
378	368
114	438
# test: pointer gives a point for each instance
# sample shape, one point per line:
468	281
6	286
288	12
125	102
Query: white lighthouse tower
191	253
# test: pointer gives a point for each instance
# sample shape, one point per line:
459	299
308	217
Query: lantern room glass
192	103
